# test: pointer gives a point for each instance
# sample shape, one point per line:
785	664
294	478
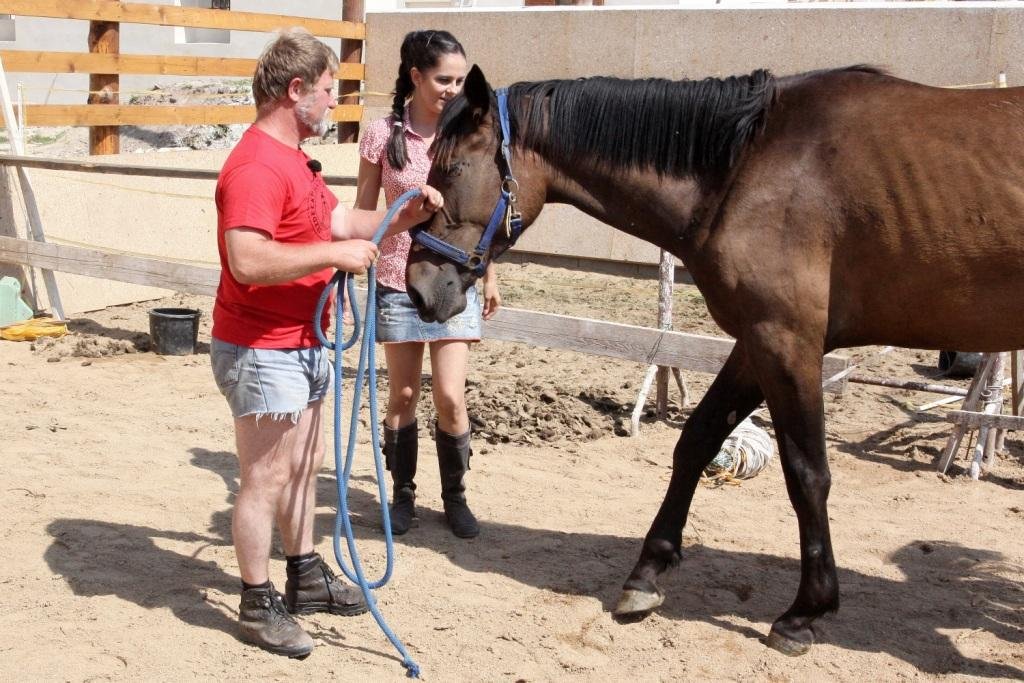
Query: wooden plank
973	420
110	266
627	342
908	384
89	166
29	61
645	345
155	115
169	15
1017	382
969	403
35	223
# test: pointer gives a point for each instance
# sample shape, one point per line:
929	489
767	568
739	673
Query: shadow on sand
954	586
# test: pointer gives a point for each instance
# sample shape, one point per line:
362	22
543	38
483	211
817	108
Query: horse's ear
478	92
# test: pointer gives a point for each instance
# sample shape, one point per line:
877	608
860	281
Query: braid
397	155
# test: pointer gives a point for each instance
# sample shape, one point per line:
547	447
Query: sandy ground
120	476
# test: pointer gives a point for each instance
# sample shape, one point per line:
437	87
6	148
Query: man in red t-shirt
281	234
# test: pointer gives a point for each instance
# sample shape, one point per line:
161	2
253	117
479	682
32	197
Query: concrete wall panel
937	43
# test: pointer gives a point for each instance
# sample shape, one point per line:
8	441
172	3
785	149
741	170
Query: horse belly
959	292
929	236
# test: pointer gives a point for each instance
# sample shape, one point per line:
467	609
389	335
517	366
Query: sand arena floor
121	475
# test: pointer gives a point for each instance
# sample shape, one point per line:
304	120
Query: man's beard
317	127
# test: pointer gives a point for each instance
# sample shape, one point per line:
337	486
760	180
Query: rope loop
367	365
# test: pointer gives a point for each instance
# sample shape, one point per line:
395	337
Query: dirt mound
89	346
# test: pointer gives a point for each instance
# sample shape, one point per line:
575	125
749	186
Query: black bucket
959	363
174	331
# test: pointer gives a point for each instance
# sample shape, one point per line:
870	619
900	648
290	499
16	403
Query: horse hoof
634	604
788	646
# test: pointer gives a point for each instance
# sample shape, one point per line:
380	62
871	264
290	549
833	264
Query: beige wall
937	43
167	219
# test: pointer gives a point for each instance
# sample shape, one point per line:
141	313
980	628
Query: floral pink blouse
394	250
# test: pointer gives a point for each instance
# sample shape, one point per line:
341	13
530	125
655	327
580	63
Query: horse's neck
657	210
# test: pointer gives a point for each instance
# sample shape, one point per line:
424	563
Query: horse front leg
729	400
788	368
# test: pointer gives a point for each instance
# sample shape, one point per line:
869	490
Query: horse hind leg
731	398
789	371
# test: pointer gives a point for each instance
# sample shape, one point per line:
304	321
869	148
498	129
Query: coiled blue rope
367	359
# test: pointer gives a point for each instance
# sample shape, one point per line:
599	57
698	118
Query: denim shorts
398	321
279	383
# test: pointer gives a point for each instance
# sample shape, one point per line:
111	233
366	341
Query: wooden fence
644	345
104	62
697	352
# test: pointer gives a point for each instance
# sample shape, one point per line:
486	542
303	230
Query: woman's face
437	85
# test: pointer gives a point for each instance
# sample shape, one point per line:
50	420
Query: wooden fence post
351	53
104	38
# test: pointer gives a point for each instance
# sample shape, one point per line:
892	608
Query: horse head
489	199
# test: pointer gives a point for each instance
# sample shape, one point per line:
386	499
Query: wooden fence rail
29	61
170	15
103	114
80	166
155	114
643	345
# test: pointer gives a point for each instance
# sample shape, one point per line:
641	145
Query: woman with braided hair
395	154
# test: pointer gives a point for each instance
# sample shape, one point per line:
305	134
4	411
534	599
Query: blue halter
505	213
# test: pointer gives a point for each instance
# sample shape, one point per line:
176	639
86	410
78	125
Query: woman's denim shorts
278	383
398	321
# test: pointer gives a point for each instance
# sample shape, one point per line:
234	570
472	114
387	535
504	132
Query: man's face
314	107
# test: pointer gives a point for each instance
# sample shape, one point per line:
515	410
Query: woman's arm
492	297
367	185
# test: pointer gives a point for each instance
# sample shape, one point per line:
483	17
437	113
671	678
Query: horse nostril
415	297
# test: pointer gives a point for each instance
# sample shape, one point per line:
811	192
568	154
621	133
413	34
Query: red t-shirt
266	185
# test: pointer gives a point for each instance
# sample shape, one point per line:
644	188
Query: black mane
676	128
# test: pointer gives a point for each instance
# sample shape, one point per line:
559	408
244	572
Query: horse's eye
454	169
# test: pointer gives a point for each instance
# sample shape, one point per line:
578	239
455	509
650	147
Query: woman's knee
403	398
450	405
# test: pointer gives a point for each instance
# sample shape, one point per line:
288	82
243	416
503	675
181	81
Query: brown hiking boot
264	622
317	589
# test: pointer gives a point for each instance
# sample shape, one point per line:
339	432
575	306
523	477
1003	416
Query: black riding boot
400	446
453	460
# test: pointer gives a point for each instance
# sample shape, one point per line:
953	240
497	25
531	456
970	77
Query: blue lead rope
367	359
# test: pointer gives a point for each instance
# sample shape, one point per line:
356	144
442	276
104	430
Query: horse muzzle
436	290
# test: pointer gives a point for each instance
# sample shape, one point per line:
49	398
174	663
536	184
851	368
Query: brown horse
817	211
